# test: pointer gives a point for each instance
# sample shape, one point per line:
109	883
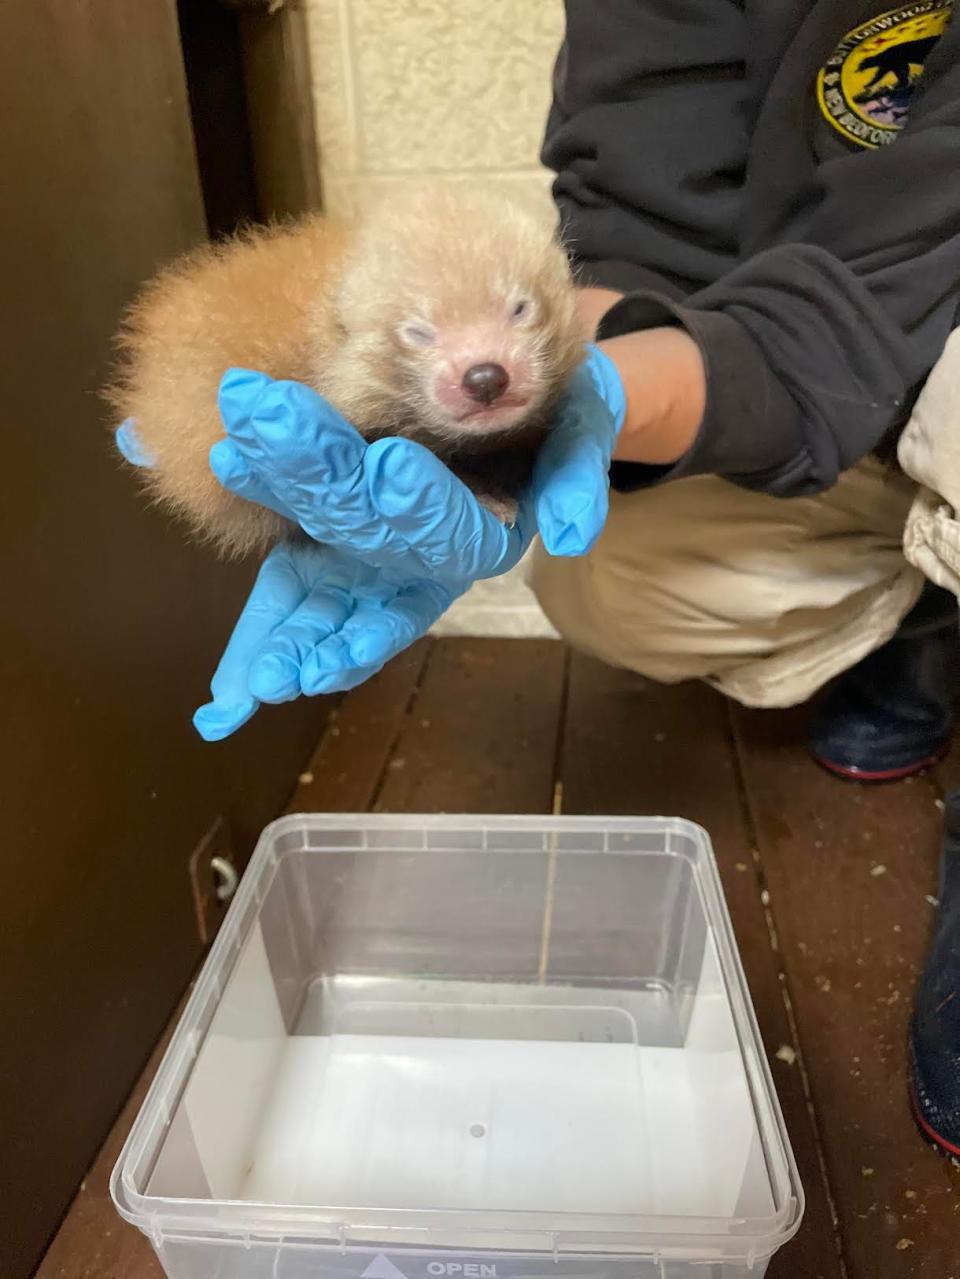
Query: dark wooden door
111	623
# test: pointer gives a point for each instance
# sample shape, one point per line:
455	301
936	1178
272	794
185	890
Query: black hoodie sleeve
813	347
648	137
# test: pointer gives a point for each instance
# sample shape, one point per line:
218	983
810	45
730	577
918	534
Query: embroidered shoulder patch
865	87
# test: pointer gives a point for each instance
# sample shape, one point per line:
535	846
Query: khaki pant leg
766	598
929	452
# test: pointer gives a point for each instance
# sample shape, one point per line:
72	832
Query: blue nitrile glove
571	485
316	621
392	502
409	536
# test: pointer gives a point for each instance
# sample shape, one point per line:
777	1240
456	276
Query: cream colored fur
324	305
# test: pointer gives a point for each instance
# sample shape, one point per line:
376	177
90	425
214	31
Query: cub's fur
383	319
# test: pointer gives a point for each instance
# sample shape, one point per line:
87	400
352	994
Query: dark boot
892	714
935	1031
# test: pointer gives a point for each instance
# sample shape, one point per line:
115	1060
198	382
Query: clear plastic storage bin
467	1048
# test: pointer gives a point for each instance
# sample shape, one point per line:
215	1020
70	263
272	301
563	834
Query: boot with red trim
892	714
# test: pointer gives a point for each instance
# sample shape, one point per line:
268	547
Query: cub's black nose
486	382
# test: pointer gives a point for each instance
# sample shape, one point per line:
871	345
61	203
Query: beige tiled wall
456	88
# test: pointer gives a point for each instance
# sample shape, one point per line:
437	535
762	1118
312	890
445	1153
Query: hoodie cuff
751	432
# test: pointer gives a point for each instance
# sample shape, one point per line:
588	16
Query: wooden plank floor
827	884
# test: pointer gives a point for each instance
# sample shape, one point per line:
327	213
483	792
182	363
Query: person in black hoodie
763	203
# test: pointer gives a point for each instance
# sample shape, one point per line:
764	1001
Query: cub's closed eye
521	309
417	334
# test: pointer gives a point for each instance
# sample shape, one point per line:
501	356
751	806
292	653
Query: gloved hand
316	621
401	537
